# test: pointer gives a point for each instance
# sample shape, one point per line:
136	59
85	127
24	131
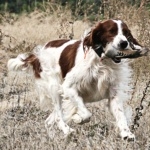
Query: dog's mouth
126	54
121	54
116	60
134	51
131	54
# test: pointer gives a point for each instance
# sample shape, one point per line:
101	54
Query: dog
70	73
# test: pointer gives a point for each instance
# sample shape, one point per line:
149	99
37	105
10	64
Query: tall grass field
21	119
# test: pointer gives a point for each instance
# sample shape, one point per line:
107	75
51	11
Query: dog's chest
92	93
95	86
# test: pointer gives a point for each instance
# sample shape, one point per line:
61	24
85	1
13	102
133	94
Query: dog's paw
76	118
85	115
64	127
68	131
79	120
127	135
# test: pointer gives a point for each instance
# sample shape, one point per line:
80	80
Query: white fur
91	79
16	63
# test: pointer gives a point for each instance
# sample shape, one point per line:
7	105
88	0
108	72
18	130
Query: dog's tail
28	63
18	64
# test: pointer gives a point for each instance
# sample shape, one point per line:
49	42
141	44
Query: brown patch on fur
128	35
34	62
67	58
103	33
56	43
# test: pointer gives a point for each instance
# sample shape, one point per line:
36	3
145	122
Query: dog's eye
112	31
125	32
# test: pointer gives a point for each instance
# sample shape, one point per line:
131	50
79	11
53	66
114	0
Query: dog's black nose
123	44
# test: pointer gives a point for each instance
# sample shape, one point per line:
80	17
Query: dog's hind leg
56	115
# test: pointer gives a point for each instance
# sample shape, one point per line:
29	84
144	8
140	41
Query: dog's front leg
116	107
73	106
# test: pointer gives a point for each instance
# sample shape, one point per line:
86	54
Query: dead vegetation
22	121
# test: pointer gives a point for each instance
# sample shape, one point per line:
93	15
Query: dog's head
114	39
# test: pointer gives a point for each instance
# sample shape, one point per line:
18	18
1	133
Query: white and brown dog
70	73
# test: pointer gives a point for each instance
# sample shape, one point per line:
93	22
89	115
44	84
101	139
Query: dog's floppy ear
93	39
96	34
129	35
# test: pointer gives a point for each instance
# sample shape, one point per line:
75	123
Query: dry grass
22	121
